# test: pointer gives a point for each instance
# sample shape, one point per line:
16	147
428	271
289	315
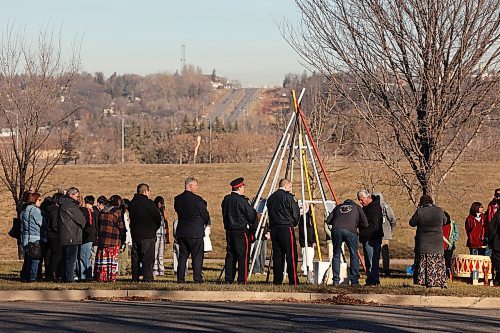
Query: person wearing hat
239	218
284	215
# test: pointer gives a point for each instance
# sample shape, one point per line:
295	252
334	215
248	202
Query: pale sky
239	38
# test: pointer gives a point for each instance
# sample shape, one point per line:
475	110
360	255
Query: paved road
94	316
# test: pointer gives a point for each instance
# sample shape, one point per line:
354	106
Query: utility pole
123	136
183	57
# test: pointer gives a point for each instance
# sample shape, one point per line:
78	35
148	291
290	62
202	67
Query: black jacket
52	213
145	218
495	232
373	212
347	216
70	222
283	210
237	213
192	215
90	230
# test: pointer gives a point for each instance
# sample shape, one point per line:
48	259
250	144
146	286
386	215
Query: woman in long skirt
429	269
111	233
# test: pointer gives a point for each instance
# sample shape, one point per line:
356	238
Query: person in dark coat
239	220
344	221
495	247
89	238
70	225
429	269
284	216
145	220
192	218
54	267
371	237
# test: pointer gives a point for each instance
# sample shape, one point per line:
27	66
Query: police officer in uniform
239	219
284	215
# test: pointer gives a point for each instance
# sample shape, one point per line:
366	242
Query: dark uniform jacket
283	210
237	213
347	216
373	212
70	222
495	232
192	215
144	216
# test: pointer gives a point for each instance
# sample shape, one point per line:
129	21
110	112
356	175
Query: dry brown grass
471	182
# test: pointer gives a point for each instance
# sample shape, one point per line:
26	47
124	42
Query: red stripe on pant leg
246	258
293	257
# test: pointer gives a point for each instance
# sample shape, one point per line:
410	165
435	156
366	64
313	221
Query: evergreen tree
185	127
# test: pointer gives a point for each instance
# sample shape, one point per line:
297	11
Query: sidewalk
236	296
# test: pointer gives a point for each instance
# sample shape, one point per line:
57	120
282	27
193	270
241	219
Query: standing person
145	220
388	226
493	205
193	217
429	269
33	232
161	238
111	236
495	247
239	219
101	203
53	270
490	212
475	225
284	216
311	242
89	238
371	237
345	220
450	236
123	265
260	261
70	228
17	222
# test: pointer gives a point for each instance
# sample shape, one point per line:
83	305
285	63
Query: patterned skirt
429	270
106	263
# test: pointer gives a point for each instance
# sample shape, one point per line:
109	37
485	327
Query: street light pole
123	140
209	141
123	136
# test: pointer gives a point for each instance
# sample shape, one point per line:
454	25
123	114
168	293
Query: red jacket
475	231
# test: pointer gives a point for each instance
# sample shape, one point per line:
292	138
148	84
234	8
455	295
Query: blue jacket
33	225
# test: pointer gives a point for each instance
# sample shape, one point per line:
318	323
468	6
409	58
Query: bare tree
421	75
36	105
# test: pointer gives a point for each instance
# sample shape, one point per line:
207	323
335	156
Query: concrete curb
237	296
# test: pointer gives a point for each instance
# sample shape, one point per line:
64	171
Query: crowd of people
88	239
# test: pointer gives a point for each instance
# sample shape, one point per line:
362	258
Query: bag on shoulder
15	230
34	250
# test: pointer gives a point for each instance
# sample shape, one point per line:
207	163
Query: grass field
397	284
470	182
